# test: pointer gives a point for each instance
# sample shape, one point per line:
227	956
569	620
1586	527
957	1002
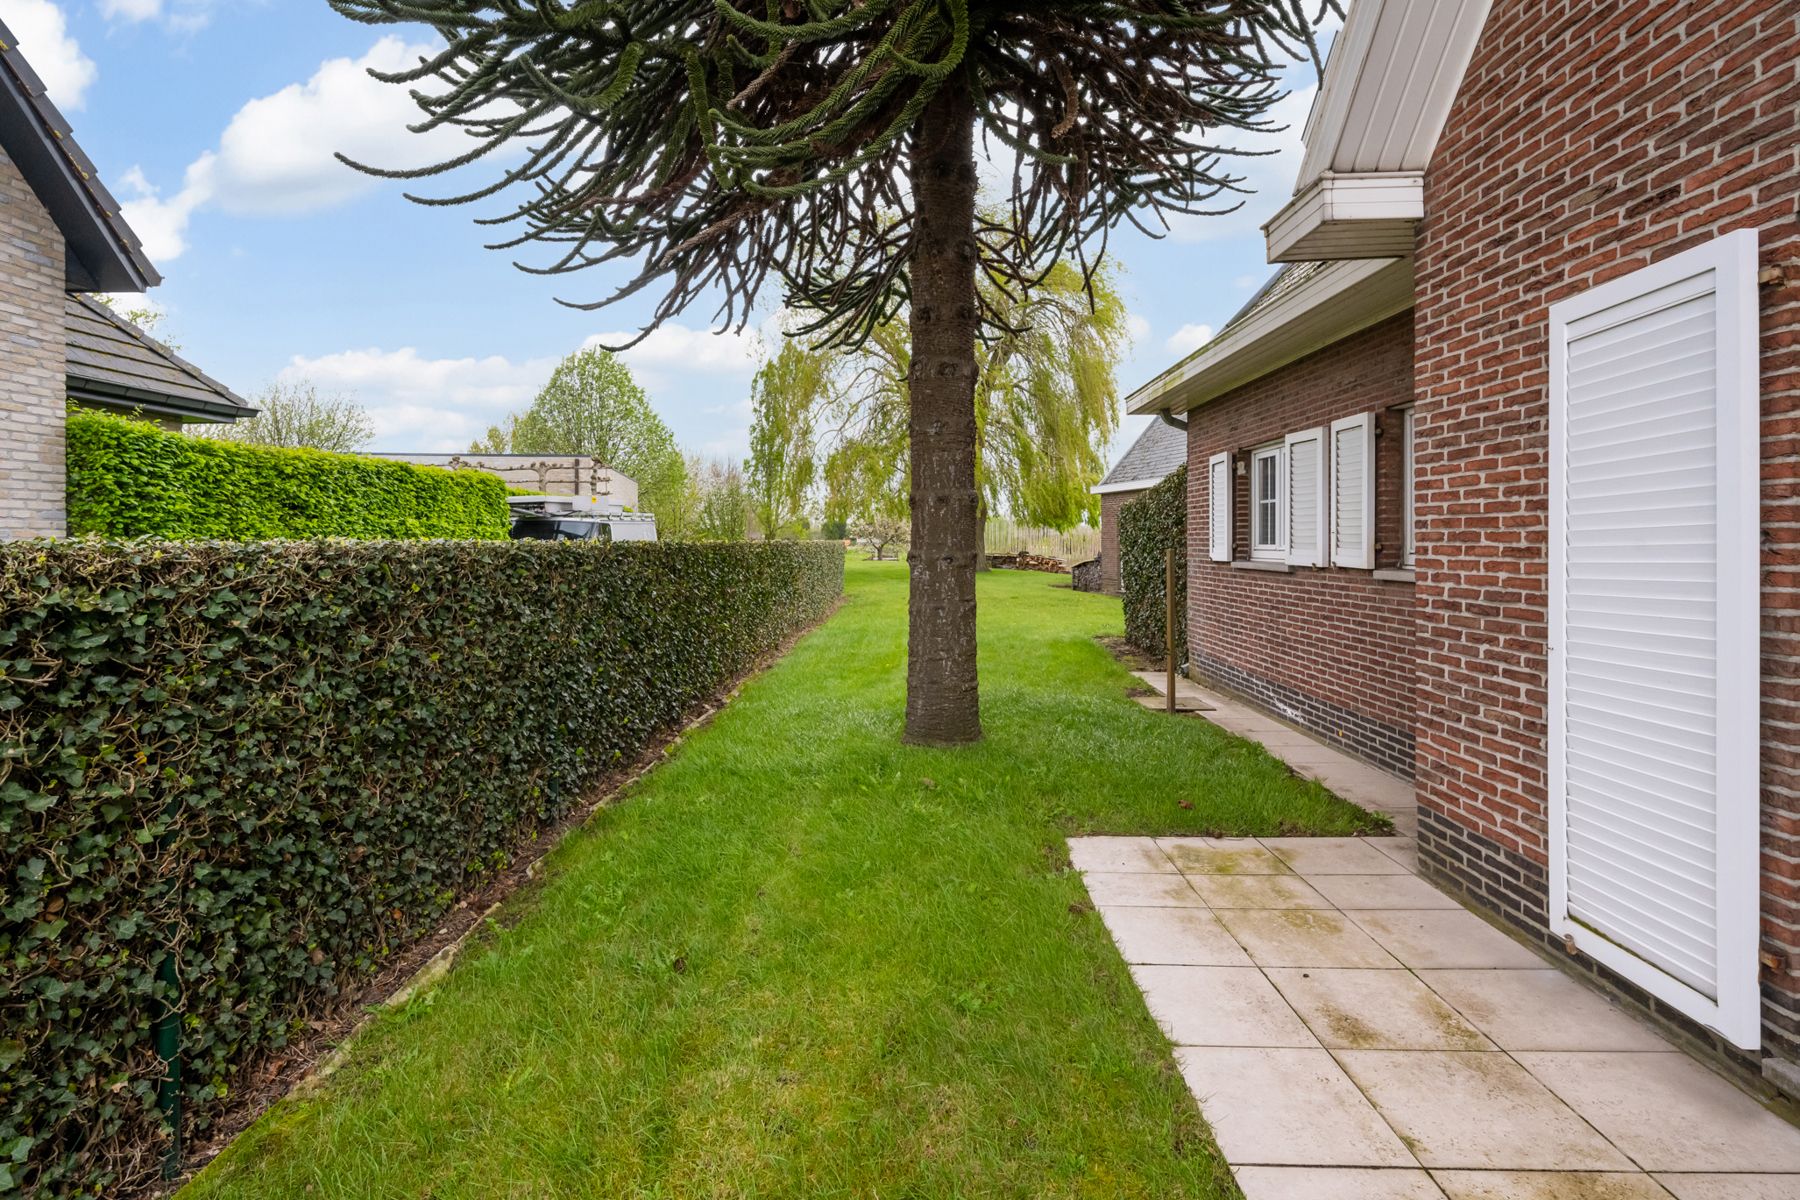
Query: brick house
61	237
1158	451
1495	484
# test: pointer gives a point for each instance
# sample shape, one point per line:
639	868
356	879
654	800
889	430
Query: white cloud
428	405
1137	327
183	16
276	157
43	35
1189	338
439	405
682	348
130	10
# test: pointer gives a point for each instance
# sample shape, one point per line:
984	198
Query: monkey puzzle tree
713	147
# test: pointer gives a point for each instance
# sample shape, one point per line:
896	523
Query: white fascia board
1349	216
1129	485
1331	104
1393	74
1340	300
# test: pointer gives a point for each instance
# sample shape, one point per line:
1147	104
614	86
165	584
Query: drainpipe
1171	420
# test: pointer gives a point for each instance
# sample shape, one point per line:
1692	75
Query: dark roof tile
112	361
1157	452
103	253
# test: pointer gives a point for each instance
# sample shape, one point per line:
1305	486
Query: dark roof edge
94	391
104	255
228	400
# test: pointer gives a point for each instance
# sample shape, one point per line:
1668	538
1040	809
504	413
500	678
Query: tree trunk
943	704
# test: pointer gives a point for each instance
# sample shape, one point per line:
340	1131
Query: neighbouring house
61	237
1160	449
552	474
1496	484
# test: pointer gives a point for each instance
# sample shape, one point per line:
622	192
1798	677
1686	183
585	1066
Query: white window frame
1737	1010
1360	557
1409	504
1218	506
1275	551
1307	547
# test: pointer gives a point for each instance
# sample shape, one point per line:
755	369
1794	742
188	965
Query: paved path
1353	1033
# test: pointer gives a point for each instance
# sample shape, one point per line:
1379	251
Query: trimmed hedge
1148	526
133	479
281	762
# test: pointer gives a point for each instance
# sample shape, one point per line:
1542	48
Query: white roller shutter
1654	693
1306	498
1218	507
1353	492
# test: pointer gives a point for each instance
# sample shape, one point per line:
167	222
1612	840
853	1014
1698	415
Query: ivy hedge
132	479
273	765
1150	525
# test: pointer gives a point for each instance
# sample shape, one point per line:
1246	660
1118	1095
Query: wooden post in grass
1169	621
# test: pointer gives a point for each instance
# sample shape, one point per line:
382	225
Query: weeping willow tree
1046	404
714	150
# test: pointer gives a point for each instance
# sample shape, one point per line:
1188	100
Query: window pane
1267	502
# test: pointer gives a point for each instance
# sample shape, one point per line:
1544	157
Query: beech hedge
276	764
1150	525
131	479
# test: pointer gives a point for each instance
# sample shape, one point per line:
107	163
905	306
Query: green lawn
802	960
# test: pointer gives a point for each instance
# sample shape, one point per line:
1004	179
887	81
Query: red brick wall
1591	138
1111	505
1328	649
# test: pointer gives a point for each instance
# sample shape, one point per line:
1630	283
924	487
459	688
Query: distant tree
678	512
1046	401
143	314
786	397
715	149
882	533
294	414
724	503
592	406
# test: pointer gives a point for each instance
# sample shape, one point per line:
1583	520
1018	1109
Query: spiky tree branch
716	147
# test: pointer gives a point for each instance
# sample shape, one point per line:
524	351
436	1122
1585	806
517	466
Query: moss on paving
802	960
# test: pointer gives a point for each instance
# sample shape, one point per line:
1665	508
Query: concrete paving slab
1288	1108
1474	1111
1220	1006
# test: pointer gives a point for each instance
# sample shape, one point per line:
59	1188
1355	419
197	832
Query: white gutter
1341	299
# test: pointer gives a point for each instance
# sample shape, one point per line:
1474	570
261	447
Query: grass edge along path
802	960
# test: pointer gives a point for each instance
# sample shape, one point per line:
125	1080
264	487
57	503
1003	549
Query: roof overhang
97	393
1350	216
1341	299
1388	88
102	254
1124	485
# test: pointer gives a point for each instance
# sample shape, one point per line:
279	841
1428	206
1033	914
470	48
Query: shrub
1150	525
281	762
131	479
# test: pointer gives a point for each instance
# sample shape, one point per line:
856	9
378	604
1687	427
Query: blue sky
214	120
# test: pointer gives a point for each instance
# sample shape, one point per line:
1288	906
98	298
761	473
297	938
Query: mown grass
802	960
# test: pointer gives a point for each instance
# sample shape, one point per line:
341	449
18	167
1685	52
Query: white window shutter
1654	606
1218	507
1353	492
1306	498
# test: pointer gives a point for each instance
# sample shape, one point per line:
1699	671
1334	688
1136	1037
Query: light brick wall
1591	138
32	363
1329	649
